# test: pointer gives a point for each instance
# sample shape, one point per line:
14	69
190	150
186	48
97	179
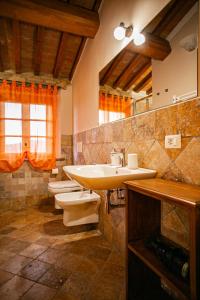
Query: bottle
174	258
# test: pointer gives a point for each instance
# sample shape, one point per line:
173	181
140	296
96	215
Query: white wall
178	72
99	51
65	113
64	116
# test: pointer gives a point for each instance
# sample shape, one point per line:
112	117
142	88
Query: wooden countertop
181	193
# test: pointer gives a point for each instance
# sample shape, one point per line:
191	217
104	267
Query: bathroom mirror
160	72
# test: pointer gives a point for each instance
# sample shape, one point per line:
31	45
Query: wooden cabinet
145	272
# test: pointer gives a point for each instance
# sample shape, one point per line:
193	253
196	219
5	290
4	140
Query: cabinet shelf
150	260
147	276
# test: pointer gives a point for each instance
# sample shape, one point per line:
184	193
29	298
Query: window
13	127
17	137
27	125
109	116
114	107
38	128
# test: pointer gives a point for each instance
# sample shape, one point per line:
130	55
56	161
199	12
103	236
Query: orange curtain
27	126
115	103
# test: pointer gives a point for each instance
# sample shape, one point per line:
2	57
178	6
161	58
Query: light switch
80	147
173	141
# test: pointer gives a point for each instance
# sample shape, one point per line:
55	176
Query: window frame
25	127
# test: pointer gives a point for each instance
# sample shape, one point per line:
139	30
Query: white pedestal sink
105	177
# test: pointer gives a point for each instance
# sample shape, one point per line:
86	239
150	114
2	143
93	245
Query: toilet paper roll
132	161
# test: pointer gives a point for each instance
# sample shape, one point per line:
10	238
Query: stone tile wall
144	134
27	187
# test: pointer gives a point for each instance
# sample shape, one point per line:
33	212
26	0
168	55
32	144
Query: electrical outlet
80	147
54	171
173	141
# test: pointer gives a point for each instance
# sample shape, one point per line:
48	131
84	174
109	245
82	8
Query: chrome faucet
122	157
118	157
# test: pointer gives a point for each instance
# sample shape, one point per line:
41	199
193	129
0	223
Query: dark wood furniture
145	272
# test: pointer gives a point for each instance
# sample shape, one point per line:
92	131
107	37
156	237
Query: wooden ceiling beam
1	59
144	83
96	5
154	47
142	72
39	34
53	14
149	91
78	55
60	54
174	15
17	45
113	65
137	59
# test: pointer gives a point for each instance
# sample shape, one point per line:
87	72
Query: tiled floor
42	259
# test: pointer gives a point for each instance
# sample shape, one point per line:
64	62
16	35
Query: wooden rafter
96	5
17	45
113	65
78	55
38	49
60	54
145	70
154	47
174	15
144	83
52	14
128	71
1	59
149	91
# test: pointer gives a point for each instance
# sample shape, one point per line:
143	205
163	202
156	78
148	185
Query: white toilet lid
63	184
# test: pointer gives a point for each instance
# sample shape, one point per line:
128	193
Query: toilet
79	207
65	186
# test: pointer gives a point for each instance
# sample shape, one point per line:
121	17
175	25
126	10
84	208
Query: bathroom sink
105	177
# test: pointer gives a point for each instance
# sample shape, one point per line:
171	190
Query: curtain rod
27	83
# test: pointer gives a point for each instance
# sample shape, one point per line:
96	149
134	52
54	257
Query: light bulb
139	39
119	33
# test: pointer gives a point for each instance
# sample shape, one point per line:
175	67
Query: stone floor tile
99	252
77	284
7	229
55	277
32	237
33	250
5	276
5	255
15	288
18	246
51	255
70	262
34	270
67	265
46	241
5	242
62	295
15	264
39	292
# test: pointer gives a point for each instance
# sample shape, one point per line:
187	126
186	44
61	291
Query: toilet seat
64	186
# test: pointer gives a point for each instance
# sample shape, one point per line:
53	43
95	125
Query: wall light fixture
121	31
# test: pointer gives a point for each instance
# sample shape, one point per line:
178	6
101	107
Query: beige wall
178	72
65	110
198	59
64	116
99	51
144	134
